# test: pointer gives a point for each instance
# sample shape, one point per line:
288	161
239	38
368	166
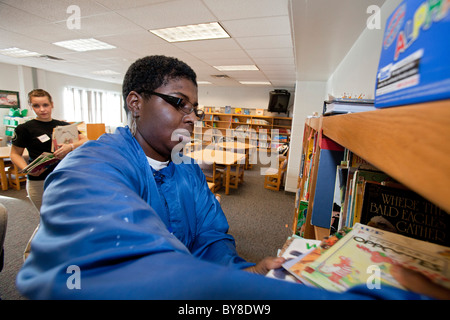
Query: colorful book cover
296	266
64	135
301	218
292	249
366	255
45	160
405	212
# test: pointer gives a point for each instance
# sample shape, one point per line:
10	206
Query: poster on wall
9	99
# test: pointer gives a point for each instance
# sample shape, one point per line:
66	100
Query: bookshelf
253	128
409	143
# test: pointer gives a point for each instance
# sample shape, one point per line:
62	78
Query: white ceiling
288	40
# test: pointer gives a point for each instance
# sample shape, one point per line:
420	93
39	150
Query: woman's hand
63	150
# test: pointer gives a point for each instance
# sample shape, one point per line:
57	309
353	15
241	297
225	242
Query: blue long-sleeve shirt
132	236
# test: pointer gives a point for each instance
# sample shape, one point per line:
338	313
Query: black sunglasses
181	104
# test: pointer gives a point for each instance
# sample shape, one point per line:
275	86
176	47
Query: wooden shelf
410	143
226	123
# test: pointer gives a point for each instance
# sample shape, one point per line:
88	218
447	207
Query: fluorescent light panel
106	72
237	68
265	83
203	31
18	53
81	45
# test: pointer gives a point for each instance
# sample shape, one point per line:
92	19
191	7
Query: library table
4	155
221	157
236	146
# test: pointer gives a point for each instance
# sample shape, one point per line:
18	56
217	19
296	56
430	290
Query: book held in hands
352	260
45	160
64	135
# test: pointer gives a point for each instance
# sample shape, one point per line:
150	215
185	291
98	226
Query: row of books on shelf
360	193
238	120
361	255
230	110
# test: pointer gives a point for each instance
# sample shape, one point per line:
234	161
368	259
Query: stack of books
345	105
360	255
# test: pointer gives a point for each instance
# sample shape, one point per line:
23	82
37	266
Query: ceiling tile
271	53
272	26
244	9
56	10
208	45
169	14
100	25
11	17
121	4
266	42
213	55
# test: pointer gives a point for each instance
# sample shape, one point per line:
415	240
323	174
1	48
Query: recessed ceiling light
251	67
18	53
84	45
203	82
203	31
265	83
106	72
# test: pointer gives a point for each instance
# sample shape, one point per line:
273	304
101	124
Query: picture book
296	266
293	248
403	211
366	255
64	135
45	160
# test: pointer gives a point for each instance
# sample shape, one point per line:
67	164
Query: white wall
357	72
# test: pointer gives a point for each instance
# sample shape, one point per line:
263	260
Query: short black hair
151	72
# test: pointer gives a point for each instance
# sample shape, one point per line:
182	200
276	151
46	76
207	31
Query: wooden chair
236	175
212	175
14	177
273	180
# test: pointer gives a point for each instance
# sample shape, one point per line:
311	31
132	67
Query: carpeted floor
259	219
22	220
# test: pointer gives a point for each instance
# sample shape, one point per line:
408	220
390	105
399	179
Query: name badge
44	138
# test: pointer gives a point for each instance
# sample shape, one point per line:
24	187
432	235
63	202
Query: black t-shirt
36	137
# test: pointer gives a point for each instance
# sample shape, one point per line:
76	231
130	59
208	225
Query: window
94	106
